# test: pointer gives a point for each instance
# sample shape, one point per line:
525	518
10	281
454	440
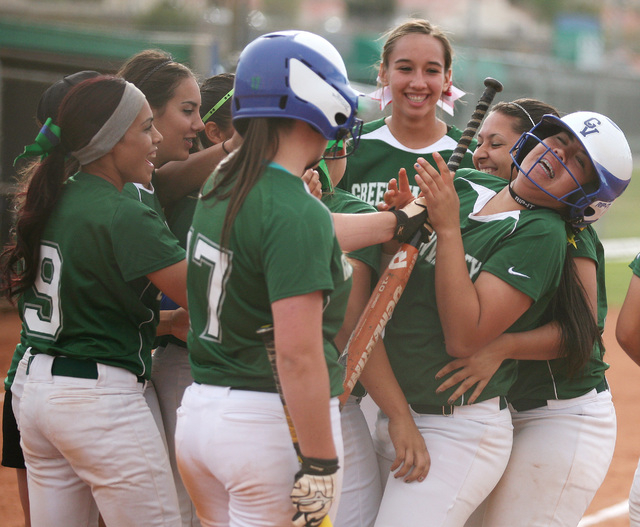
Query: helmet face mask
295	75
608	151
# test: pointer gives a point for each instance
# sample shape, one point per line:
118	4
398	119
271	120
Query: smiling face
416	73
495	139
134	155
179	122
548	177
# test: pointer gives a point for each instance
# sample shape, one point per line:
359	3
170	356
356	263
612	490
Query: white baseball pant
84	437
236	458
361	488
469	451
561	454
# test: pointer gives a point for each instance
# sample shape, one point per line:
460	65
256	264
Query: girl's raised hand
440	194
398	192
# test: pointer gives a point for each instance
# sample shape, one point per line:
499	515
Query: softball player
87	262
548	400
494	282
628	336
11	451
263	250
415	72
174	96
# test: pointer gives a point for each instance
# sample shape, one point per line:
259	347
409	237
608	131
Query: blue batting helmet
296	75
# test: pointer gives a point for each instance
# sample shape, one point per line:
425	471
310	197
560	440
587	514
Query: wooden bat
267	336
393	280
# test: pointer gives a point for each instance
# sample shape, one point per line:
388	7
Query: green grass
622	221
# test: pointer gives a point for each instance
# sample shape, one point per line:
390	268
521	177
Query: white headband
116	126
525	112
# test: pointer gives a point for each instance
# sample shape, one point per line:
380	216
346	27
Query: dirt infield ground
624	378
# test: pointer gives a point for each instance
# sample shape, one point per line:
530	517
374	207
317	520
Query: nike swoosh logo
516	273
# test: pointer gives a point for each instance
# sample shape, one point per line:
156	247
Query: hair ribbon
47	139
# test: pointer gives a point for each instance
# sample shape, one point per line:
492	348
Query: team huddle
190	261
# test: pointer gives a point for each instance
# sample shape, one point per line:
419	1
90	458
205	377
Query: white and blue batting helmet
608	150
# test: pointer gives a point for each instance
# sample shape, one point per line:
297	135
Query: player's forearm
305	384
380	382
543	343
355	231
173	322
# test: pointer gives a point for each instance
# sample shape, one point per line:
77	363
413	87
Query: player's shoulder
88	196
586	244
138	215
281	193
132	190
473	178
454	132
588	234
278	184
545	224
371	126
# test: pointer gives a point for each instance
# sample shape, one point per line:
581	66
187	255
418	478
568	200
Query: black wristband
223	148
401	224
318	467
407	226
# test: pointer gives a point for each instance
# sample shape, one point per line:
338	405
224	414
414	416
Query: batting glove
313	491
411	218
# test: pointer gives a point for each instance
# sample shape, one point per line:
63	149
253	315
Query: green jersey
282	244
523	248
180	216
92	299
380	155
549	379
145	195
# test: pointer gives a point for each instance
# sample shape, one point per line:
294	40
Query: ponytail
570	308
240	171
40	191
